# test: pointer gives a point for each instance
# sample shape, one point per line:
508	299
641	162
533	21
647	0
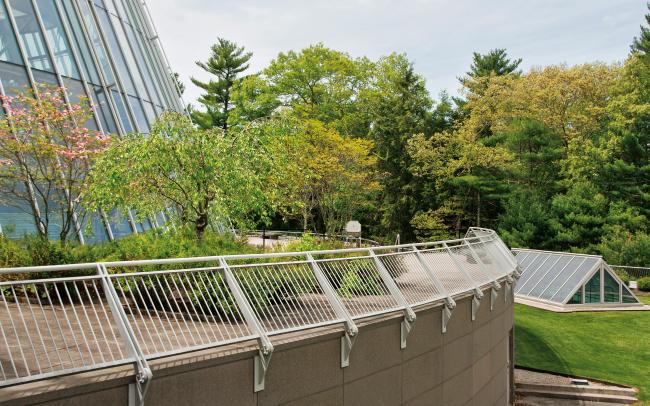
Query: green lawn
612	346
644	299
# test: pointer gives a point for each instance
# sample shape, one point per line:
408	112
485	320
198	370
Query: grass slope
611	346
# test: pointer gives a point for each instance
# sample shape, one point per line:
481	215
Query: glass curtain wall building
104	50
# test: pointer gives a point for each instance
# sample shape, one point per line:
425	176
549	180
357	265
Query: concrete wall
466	366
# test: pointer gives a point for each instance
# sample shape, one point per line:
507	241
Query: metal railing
635	272
57	320
281	234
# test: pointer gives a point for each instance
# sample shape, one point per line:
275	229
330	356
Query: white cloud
439	35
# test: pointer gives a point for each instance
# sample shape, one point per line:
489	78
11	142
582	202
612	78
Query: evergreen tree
227	61
495	62
641	43
399	107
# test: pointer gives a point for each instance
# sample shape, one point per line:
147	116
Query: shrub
644	284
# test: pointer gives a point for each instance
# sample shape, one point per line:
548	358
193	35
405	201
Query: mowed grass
610	346
644	299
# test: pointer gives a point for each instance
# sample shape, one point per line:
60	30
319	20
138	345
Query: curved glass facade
104	50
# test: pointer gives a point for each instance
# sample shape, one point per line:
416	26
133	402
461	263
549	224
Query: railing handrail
169	311
216	258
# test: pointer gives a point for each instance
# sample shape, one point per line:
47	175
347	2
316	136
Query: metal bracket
143	375
450	304
262	362
266	347
510	282
351	329
409	314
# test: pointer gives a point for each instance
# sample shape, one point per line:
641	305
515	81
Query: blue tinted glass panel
8	45
57	39
128	56
151	114
104	111
17	220
31	35
116	52
79	41
143	125
119	224
94	230
14	78
121	111
97	42
44	77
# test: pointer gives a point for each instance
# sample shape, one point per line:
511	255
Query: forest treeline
556	157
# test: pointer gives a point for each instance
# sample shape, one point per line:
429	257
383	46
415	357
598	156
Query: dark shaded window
611	289
592	289
627	296
577	298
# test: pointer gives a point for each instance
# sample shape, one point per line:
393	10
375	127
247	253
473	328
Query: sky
439	36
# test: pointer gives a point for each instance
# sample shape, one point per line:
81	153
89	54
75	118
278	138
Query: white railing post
495	285
263	359
478	293
409	314
351	329
450	304
144	374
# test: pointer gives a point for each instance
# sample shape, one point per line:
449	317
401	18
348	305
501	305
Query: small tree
45	153
201	173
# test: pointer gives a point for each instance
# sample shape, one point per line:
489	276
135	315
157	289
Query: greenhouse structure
568	282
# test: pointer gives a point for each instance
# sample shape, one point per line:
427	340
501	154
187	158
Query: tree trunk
200	225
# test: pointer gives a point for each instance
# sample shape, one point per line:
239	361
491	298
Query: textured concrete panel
481	340
457	356
377	348
331	397
225	384
301	371
426	334
458	390
421	374
432	397
381	389
498	328
461	320
499	354
114	396
481	373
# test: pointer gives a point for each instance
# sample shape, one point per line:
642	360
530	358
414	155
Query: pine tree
641	44
495	62
226	63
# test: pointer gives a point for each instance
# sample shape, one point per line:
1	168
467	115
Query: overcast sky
438	35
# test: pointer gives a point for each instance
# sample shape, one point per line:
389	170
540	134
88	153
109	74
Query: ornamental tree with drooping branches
45	153
204	174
